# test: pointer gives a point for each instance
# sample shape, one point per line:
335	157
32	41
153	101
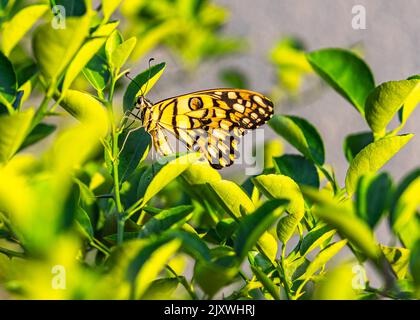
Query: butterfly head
142	102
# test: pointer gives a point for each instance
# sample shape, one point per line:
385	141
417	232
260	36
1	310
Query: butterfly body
209	121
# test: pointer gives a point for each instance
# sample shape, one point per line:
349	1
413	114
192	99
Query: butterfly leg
126	138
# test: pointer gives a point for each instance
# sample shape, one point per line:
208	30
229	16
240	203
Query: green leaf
14	29
84	223
234	78
349	227
415	263
40	132
406	201
161	288
300	134
108	7
282	187
13	131
73	8
355	143
266	282
231	197
398	258
97	71
169	218
286	228
192	244
25	73
8	82
300	169
387	99
114	40
346	73
136	148
148	263
55	48
164	174
373	157
337	284
87	52
322	258
315	238
252	226
373	197
211	277
122	52
146	81
86	109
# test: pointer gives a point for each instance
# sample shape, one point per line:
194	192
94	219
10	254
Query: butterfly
208	121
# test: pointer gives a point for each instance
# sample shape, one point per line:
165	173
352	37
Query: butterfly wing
211	121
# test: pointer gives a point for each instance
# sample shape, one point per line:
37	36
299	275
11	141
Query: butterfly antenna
133	80
150	74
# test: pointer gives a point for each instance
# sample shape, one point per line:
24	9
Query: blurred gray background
391	44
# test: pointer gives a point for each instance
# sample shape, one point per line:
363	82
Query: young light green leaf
14	29
13	130
322	258
346	73
406	201
338	284
148	263
300	134
114	40
252	226
87	52
300	169
282	187
398	258
286	228
166	174
55	48
373	157
387	99
121	53
86	109
8	82
315	238
269	245
373	197
146	81
231	197
355	143
350	227
108	7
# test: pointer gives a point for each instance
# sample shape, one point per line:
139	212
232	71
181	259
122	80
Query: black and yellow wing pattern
209	121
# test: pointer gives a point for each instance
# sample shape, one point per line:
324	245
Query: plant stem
11	253
115	153
184	282
283	272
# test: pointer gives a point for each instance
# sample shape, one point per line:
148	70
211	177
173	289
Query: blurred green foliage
84	218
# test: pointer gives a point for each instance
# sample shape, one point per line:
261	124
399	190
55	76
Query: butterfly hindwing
210	121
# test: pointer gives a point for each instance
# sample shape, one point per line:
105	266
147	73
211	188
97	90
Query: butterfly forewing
209	121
